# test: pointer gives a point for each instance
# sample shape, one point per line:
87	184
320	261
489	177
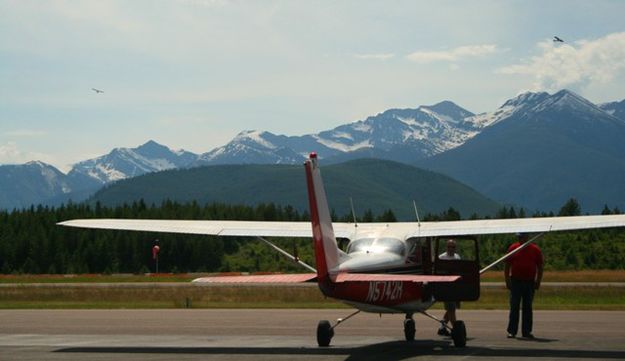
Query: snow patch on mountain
342	146
256	137
566	99
521	103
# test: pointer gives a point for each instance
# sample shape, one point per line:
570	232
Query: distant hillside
373	184
26	184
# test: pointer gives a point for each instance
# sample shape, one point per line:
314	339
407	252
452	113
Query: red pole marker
155	251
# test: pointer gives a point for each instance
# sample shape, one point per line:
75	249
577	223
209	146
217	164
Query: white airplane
387	267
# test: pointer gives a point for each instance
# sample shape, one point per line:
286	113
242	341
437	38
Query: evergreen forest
32	243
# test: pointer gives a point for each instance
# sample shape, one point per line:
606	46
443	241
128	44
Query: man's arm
506	273
539	268
539	276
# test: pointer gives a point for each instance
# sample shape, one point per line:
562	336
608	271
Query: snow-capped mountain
548	149
516	105
123	163
616	109
39	183
25	184
252	147
413	133
564	129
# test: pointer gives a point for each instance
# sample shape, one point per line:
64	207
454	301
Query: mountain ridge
409	135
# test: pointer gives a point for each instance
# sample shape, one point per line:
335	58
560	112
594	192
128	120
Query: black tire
409	329
459	334
324	333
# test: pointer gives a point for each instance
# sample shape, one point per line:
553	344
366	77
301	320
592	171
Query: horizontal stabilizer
347	277
275	278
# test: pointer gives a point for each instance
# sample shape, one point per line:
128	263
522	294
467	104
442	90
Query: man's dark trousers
521	290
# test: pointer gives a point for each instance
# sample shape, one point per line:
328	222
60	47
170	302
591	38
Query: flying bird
98	91
557	40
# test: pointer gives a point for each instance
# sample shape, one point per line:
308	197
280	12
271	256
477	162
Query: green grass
60	291
567	276
557	298
98	278
24	296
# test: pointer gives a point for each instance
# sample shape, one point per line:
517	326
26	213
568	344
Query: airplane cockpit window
414	250
377	245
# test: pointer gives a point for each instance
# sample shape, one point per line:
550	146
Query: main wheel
459	334
324	333
409	329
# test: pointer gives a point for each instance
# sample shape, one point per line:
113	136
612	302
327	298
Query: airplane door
460	256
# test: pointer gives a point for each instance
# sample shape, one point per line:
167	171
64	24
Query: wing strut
288	255
417	213
507	255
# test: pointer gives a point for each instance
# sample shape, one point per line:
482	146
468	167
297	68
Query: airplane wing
216	228
515	225
348	230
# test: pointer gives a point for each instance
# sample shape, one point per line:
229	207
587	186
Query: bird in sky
557	40
98	91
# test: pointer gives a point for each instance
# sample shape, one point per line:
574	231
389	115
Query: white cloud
375	56
456	54
11	154
576	66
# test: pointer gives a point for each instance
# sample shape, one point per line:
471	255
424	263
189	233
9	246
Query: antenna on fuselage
351	202
416	212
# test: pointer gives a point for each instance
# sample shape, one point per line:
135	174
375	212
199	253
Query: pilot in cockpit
450	307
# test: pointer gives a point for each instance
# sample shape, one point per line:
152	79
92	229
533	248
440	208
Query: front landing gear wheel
459	334
324	333
409	329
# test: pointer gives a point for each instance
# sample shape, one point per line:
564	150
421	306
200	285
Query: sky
194	73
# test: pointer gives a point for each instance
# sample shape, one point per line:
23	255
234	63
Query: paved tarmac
243	334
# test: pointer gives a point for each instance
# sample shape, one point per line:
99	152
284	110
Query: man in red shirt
523	272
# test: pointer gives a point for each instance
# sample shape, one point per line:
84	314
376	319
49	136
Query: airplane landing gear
459	334
409	328
324	333
458	331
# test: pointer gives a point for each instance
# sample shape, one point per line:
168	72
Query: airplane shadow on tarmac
395	350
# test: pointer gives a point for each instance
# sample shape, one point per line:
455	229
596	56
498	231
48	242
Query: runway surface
243	334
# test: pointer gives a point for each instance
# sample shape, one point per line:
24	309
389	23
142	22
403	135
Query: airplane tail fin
326	249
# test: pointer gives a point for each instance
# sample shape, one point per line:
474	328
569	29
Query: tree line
32	243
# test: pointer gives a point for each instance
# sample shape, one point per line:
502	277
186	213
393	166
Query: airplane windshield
377	245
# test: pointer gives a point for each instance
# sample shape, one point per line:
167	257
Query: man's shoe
511	335
529	336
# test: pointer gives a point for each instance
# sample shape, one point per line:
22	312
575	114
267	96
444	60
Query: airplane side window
414	250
